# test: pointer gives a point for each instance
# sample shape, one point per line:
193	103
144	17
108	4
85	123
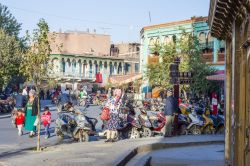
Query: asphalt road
10	142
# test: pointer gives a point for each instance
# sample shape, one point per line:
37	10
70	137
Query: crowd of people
25	113
26	107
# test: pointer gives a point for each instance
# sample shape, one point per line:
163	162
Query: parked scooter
128	126
152	122
76	124
219	121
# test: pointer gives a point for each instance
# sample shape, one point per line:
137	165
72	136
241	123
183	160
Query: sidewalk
94	153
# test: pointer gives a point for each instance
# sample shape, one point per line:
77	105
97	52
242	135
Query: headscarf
32	92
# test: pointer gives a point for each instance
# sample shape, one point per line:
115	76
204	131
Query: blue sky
122	19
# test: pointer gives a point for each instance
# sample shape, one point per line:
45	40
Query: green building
212	49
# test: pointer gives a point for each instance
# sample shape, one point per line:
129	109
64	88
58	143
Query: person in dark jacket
31	111
20	101
171	108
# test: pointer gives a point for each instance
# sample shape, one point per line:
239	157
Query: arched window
202	37
168	39
151	42
174	38
209	37
157	41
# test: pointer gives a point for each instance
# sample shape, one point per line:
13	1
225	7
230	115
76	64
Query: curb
5	116
159	146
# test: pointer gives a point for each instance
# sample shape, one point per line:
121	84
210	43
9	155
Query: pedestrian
46	120
31	111
113	105
25	92
171	108
20	121
215	103
42	94
48	94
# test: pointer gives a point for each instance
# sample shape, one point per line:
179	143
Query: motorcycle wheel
221	130
183	130
195	130
59	133
83	137
147	132
133	134
208	130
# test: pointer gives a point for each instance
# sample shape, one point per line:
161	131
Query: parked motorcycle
76	124
128	125
218	122
152	122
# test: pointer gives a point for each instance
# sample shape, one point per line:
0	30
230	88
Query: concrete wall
81	43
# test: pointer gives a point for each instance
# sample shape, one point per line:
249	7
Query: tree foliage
10	57
35	62
187	48
8	22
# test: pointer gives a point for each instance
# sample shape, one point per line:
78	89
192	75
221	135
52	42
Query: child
46	119
20	121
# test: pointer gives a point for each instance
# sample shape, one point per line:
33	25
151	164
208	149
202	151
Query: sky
122	19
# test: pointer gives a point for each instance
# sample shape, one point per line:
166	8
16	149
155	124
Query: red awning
217	77
124	79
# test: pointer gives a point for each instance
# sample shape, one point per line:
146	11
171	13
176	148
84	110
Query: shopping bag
105	114
36	122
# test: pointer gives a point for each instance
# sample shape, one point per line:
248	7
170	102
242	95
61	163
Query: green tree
8	22
10	53
187	48
35	62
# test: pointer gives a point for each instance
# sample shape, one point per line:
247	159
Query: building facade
77	58
213	49
230	21
130	52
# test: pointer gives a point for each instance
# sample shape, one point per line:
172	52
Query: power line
70	18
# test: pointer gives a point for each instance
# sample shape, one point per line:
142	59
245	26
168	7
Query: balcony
208	57
72	76
153	60
205	45
221	56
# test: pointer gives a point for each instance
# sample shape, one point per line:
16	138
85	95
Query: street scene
120	83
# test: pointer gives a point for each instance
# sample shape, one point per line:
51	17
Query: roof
189	21
124	79
222	13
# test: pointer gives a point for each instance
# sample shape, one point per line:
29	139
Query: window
168	39
151	42
137	67
202	37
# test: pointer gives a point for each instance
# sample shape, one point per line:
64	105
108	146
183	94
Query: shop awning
124	79
217	77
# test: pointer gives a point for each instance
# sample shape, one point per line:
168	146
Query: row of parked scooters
136	120
144	119
6	106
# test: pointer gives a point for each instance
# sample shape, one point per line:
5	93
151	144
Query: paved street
97	153
10	142
205	155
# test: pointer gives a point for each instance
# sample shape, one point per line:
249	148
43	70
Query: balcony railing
221	57
153	59
70	75
208	57
209	45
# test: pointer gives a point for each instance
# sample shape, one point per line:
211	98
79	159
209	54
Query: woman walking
31	111
113	104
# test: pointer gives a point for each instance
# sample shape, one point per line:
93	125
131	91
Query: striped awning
217	77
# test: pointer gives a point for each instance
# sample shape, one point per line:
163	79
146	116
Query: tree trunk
38	148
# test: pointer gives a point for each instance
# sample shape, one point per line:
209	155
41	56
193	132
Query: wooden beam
228	86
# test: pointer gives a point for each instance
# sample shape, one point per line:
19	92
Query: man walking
171	108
